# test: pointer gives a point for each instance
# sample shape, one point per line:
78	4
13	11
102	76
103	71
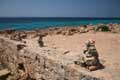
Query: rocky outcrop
18	36
66	31
8	51
28	64
115	28
46	67
8	58
8	31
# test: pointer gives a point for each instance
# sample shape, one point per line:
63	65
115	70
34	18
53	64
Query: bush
102	28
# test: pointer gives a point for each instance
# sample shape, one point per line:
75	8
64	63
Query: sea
33	23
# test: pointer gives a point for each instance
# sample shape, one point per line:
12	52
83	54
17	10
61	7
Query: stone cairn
40	41
89	58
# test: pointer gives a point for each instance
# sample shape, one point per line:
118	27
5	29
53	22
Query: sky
59	8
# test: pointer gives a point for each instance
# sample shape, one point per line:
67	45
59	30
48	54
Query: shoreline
64	25
66	30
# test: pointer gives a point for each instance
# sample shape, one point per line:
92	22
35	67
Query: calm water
35	23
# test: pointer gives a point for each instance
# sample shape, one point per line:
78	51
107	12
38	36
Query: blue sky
59	8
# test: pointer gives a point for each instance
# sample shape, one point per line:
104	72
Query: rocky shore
113	28
49	54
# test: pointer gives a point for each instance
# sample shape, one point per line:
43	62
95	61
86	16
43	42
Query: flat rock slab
4	72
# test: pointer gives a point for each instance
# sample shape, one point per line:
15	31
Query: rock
115	28
69	31
4	72
91	28
58	31
40	41
66	52
85	26
23	34
8	51
16	36
20	46
88	78
89	56
9	31
83	30
92	68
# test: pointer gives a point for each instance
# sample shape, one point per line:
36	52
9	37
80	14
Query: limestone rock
4	72
33	65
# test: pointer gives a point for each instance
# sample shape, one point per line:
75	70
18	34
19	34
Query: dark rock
40	41
66	52
9	31
23	34
16	36
20	46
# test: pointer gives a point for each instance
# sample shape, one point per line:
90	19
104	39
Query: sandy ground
107	45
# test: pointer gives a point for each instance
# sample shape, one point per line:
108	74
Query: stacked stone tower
90	56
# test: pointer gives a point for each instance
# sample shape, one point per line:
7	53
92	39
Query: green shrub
102	28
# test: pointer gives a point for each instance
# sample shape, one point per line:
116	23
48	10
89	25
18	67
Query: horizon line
59	17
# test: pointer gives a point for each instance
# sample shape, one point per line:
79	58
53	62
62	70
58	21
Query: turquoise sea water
36	23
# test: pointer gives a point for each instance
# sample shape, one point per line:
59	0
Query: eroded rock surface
27	64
